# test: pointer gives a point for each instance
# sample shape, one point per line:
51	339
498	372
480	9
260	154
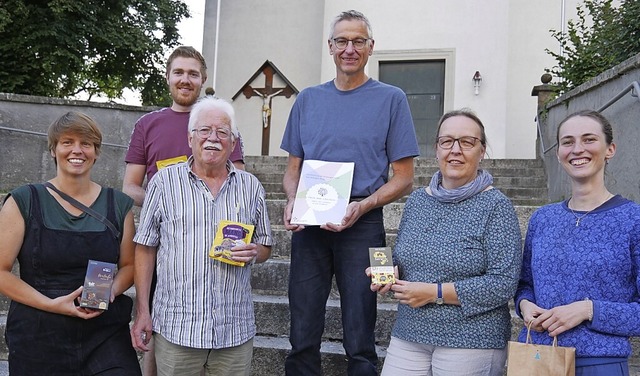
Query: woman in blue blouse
458	254
580	279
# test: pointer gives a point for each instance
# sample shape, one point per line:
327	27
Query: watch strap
439	297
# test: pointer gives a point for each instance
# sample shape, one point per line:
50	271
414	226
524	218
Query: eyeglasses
342	43
465	143
206	132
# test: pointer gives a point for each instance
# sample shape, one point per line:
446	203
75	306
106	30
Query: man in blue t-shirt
350	119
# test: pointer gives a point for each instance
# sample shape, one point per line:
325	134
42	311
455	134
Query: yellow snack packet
228	235
171	161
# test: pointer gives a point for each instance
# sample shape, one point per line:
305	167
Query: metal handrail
540	136
45	135
634	87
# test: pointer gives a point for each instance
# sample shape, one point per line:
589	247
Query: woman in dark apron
53	237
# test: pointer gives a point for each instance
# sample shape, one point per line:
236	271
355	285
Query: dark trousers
317	255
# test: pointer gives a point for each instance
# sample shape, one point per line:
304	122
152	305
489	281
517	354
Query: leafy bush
602	36
59	48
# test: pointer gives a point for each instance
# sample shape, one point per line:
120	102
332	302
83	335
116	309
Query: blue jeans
317	255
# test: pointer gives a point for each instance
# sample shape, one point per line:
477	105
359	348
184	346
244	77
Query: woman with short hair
47	333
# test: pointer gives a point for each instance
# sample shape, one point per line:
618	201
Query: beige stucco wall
287	32
503	39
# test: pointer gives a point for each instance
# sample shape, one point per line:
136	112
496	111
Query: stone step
282	238
525	196
273	182
4	351
519	186
272	321
254	162
507	173
282	242
265	277
274	173
269	354
272	318
392	214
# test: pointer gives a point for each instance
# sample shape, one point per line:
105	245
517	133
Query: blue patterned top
599	260
476	244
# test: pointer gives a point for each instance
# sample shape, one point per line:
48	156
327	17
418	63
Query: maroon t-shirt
162	135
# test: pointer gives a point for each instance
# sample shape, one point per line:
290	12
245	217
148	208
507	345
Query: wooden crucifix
267	93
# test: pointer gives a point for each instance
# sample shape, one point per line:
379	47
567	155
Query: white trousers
409	358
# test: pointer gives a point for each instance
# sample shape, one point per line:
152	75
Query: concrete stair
523	181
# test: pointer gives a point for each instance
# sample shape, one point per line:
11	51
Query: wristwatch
439	299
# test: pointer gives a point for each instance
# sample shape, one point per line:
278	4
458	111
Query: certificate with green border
323	192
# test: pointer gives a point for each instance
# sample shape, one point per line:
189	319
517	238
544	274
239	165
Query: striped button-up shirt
200	302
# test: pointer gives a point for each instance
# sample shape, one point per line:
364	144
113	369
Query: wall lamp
477	78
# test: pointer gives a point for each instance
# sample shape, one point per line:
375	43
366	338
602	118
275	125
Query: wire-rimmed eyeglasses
342	43
205	132
465	142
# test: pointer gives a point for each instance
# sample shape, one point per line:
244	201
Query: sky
191	29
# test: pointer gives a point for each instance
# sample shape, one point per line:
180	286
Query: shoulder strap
85	209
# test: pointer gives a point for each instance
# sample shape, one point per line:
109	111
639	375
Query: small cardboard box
229	235
381	265
97	285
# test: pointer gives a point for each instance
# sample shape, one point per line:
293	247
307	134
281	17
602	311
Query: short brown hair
607	129
188	52
75	123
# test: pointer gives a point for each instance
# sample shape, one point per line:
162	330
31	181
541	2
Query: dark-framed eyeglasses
465	142
342	43
205	132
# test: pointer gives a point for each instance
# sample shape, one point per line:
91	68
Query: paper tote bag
528	359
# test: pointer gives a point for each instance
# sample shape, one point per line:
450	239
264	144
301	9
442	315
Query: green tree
59	48
602	36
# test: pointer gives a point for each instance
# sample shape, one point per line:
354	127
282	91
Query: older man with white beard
203	311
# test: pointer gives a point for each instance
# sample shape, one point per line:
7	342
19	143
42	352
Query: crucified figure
266	105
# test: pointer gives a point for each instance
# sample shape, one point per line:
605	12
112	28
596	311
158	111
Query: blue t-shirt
370	125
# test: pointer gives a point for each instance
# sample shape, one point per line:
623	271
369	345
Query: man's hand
244	253
141	331
287	218
289	186
132	182
355	210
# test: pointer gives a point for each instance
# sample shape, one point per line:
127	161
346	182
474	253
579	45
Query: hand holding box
381	261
